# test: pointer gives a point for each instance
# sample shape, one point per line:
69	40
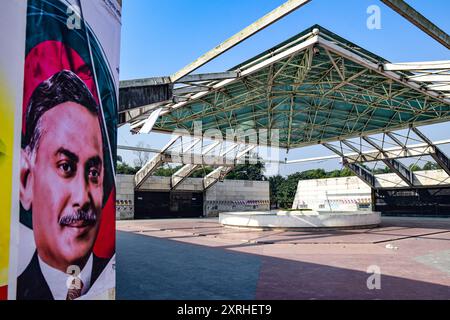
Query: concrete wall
124	197
352	194
236	195
227	196
337	194
154	183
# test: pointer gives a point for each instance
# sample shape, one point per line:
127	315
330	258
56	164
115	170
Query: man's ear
26	180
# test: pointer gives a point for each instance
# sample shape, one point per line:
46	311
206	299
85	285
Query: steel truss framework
194	154
433	75
314	88
388	148
390	156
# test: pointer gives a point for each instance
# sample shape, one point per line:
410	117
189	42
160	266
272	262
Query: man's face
67	183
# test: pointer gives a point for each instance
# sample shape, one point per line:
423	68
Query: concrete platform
189	259
299	220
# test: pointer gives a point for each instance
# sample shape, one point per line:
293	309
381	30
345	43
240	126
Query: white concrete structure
337	194
352	194
300	219
226	196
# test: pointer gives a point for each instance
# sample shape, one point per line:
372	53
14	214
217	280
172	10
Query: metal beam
410	151
442	160
192	145
356	168
362	173
138	97
130	148
185	171
254	28
333	149
421	136
144	82
215	176
395	139
186	158
190	89
422	65
440	157
351	146
439	87
220	173
431	78
133	114
385	155
209	76
153	164
375	67
254	68
409	13
396	166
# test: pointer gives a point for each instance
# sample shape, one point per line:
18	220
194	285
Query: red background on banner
105	245
42	62
3	293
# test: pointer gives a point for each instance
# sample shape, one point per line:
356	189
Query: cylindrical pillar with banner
12	52
62	210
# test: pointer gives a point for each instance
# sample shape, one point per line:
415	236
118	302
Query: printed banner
12	39
66	177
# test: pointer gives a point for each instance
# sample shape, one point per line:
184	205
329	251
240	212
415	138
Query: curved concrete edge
298	220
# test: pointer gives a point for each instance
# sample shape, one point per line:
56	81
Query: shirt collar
57	280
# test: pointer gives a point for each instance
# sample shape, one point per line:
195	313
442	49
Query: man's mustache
89	217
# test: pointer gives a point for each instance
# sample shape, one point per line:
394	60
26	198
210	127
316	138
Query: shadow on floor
151	268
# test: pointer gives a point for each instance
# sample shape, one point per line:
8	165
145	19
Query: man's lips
80	224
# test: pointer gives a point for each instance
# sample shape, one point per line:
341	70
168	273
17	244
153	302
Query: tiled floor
200	259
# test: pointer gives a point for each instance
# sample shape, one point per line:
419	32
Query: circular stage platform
310	220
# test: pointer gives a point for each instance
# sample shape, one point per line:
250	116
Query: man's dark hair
64	86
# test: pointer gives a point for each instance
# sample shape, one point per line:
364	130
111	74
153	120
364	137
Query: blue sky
159	37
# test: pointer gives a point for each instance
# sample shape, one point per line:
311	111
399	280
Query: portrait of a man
61	184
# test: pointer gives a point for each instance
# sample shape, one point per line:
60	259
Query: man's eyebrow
69	154
94	162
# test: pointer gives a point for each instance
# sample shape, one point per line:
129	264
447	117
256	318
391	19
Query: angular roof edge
322	30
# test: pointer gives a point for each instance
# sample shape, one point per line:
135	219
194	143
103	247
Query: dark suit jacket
31	284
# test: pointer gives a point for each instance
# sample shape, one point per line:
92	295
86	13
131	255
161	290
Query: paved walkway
189	259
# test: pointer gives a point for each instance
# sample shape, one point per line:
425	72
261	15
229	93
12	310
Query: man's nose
80	191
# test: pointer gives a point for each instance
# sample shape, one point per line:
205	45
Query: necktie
75	289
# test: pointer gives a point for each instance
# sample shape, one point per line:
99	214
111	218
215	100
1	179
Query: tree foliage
431	166
124	168
166	171
254	172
